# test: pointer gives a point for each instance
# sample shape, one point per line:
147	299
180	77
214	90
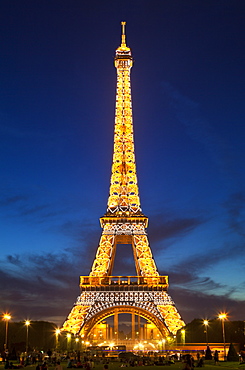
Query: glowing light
6	318
68	336
223	316
27	324
151	344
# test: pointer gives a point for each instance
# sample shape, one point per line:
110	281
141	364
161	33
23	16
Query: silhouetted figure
216	357
200	362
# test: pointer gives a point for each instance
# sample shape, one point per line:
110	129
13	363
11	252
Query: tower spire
123	44
124	193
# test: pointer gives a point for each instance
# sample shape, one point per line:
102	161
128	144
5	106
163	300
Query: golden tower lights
103	295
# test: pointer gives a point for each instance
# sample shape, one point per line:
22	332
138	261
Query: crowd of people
77	360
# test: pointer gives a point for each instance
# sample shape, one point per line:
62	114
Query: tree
208	354
232	354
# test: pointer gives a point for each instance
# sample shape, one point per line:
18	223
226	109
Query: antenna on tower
123	34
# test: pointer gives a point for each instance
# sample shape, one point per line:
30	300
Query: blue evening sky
57	99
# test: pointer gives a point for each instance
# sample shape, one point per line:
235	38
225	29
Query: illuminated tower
103	295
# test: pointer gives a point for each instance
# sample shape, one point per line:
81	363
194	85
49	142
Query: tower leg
139	328
116	327
133	326
111	333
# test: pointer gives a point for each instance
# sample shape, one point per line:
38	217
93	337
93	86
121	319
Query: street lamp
223	317
205	322
163	344
57	332
6	318
27	323
68	341
77	341
183	336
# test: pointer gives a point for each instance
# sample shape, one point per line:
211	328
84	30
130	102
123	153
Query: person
87	365
188	362
216	357
58	366
44	366
69	363
200	362
49	353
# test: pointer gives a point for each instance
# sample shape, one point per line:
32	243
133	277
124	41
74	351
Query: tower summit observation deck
103	295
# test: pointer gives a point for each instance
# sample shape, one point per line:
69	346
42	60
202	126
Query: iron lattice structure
103	295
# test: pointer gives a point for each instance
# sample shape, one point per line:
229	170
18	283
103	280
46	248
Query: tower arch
108	312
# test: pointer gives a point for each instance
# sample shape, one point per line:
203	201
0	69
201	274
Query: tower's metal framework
103	295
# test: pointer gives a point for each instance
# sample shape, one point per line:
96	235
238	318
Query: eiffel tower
103	295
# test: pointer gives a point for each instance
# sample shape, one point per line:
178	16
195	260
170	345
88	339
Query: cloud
166	226
15	260
196	304
189	268
43	285
12	200
32	210
46	285
235	209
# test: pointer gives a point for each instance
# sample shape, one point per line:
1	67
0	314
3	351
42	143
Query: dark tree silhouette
232	354
208	354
